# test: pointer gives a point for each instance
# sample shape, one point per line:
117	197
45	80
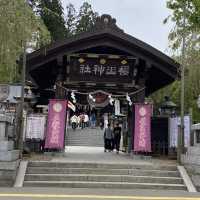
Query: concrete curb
190	186
21	174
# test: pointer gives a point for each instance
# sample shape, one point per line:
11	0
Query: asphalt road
92	194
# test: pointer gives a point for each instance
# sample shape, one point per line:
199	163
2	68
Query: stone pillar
7	152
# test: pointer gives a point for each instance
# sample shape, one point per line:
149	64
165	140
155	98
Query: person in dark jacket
117	137
108	136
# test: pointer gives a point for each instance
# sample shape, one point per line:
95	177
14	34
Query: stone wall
9	158
191	162
191	159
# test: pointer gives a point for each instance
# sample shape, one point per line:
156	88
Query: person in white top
74	121
78	121
86	120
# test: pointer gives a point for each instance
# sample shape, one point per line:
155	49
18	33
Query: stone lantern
168	107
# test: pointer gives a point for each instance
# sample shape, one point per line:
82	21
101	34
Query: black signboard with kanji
101	69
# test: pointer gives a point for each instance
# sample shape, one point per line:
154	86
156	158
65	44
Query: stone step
85	145
92	184
85	139
7	174
151	166
9	165
135	172
103	178
85	132
6	183
85	136
88	129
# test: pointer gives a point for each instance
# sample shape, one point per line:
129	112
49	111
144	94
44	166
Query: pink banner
56	124
142	135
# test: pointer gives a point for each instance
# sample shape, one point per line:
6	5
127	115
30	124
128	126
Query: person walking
82	117
93	120
108	135
101	123
117	137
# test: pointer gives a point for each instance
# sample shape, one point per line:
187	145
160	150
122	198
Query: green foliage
192	85
62	26
171	91
52	14
71	20
192	81
34	23
80	21
180	8
18	25
191	10
86	18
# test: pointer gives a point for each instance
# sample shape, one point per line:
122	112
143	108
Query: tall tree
52	14
18	25
190	9
60	25
71	17
86	18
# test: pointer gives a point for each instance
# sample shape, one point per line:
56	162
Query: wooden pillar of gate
60	91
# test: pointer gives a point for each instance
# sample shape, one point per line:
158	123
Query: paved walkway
93	194
97	155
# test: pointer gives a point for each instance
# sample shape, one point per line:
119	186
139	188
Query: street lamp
168	107
180	149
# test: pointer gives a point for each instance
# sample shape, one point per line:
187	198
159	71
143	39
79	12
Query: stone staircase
102	175
84	137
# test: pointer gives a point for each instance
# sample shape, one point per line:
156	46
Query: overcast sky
142	19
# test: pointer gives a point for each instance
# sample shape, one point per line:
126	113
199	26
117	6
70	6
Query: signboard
174	122
101	69
35	126
56	124
142	134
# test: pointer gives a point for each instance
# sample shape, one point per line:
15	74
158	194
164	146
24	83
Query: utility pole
181	142
21	105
